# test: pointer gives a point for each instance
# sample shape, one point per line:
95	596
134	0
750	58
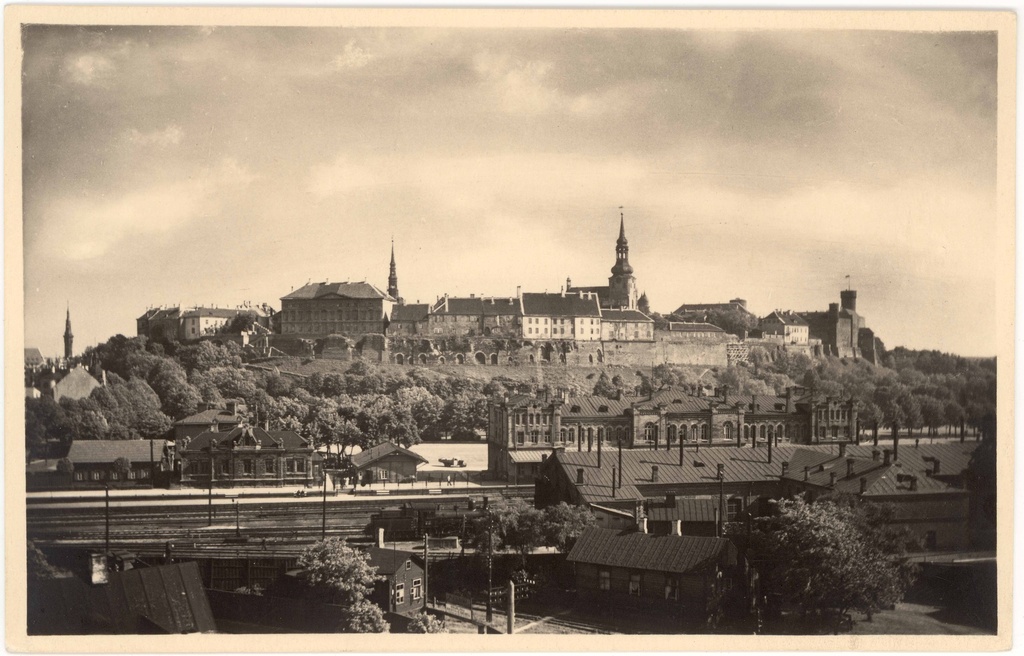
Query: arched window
423	358
727	427
684	434
671	434
764	432
399	359
746	432
781	430
441	360
494	358
481	358
620	433
460	359
561	435
651	432
600	433
703	432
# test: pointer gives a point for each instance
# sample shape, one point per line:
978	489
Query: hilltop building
342	308
842	331
621	292
191	324
787	325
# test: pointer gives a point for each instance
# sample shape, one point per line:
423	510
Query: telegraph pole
323	528
490	558
209	497
721	498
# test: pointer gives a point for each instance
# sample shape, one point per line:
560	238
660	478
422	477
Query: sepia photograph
605	329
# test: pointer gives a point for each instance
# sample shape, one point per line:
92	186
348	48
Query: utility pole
106	531
209	497
490	558
510	610
620	463
323	528
721	498
426	566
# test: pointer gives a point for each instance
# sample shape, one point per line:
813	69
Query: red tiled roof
339	289
375	453
677	554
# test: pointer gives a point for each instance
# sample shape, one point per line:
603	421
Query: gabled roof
157	314
677	554
478	306
375	453
595	406
625	315
602	291
33	356
559	305
218	415
411	312
247	436
389	561
786	318
317	290
84	452
707	307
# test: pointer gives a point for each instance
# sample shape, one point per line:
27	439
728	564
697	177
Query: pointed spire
622	226
392	253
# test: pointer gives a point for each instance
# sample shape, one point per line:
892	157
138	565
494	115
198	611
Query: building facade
789	326
342	308
248	456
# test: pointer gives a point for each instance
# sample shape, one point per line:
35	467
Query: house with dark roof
409	319
562	316
386	462
248	456
403	589
927	495
681	577
341	308
476	316
210	419
34	359
93	461
738	304
77	384
168	599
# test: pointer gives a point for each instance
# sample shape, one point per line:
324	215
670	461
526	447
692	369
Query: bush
426	623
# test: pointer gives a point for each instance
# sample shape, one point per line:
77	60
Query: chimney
654	473
677	527
579	476
519	291
849	467
725	395
863	485
785	467
380	537
888	456
807	472
831	479
842	450
936	467
876	454
641	525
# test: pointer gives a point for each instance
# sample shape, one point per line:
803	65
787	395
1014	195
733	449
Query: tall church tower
622	283
69	338
393	276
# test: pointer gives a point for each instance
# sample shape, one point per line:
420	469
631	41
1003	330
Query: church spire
393	275
622	265
69	338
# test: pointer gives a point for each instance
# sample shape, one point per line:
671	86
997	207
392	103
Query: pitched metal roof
220	313
559	305
375	453
595	406
625	315
528	455
602	291
245	435
84	452
786	318
706	307
678	554
168	599
318	290
687	509
478	306
33	356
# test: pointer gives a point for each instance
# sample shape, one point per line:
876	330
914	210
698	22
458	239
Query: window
290	465
79	476
535	437
634	585
672	588
114	476
604	580
224	466
417	588
95	475
247	466
270	466
408	565
733	507
520	437
143	473
131	474
300	465
400	594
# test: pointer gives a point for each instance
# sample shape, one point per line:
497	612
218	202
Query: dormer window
602	408
575	408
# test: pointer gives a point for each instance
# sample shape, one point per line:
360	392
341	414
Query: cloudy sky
201	166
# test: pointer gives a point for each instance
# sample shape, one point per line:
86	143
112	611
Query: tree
241	323
65	466
178	398
827	556
39	568
45	420
563	524
335	573
204	356
426	623
603	387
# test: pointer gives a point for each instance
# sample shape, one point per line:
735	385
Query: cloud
342	176
352	57
86	229
89	69
527	87
169	136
